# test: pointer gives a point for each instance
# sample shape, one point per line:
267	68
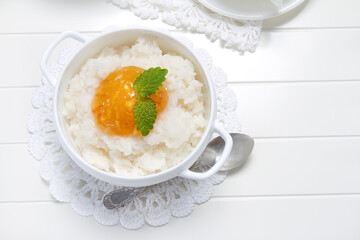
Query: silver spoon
242	147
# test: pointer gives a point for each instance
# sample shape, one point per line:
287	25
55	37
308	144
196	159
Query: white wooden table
299	96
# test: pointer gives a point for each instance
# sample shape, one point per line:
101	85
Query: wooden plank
57	16
20	169
276	167
324	55
275	110
241	218
21	55
15	106
299	109
301	55
297	167
319	14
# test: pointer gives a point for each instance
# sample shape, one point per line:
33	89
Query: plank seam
344	137
255	82
265	82
222	198
292	29
265	29
291	195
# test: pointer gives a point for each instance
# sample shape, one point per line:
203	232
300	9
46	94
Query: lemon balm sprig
147	84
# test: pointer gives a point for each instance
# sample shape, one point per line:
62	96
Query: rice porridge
176	131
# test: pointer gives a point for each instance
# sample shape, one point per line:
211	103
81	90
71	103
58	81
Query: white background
299	97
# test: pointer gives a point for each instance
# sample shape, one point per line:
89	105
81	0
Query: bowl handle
227	149
43	66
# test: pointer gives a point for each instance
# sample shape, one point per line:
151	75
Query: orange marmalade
114	100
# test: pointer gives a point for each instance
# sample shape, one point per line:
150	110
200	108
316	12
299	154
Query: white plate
251	9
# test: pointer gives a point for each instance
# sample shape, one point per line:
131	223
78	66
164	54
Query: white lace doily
191	15
68	183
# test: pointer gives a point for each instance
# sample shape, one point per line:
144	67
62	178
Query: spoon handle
120	197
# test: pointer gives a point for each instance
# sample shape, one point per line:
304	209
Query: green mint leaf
145	115
149	81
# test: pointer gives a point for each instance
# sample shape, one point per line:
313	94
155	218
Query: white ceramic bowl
127	36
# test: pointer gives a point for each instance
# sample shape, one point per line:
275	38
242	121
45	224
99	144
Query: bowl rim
138	180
